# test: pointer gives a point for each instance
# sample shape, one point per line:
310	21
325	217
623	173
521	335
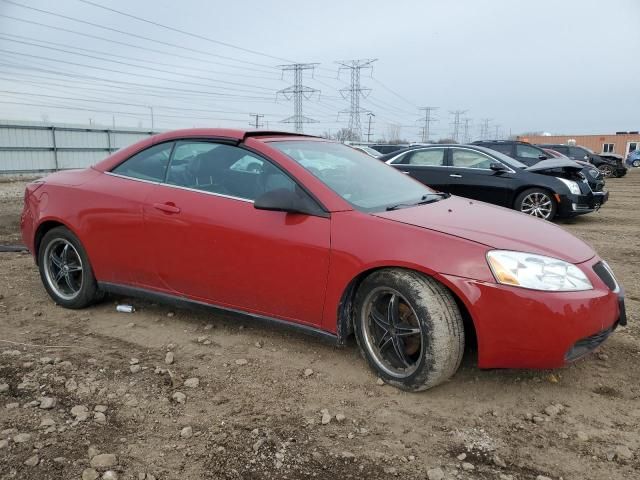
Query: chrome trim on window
181	187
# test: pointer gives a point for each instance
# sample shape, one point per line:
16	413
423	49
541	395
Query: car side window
561	149
470	159
150	164
433	157
578	153
526	151
402	159
225	170
502	148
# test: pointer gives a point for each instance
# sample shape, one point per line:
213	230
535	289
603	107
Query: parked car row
546	188
298	230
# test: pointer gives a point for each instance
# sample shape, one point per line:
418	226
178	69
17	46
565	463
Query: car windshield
366	183
512	162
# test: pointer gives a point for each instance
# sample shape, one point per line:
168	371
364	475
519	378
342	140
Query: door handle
405	172
455	175
166	207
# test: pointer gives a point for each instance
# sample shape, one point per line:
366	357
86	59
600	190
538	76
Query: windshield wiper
427	198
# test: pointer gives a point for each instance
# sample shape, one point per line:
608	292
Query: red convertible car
302	231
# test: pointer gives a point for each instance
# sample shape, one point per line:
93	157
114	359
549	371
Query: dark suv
610	167
530	155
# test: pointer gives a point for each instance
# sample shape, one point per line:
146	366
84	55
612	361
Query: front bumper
521	328
571	205
621	170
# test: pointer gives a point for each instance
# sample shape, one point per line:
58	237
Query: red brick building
620	143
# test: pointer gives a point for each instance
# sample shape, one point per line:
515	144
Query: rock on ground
104	460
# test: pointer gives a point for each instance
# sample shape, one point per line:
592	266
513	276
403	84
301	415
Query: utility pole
370	114
497	137
256	124
428	119
466	137
297	92
484	129
354	91
152	119
456	124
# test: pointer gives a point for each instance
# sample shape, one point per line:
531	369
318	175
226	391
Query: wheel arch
345	314
45	226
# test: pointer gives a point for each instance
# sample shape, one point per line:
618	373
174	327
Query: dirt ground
77	383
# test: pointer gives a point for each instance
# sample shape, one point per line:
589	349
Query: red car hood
495	227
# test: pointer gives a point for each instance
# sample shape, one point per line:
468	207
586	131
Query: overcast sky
569	66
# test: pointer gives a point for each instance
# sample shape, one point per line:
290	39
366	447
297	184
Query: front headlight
536	272
595	173
573	186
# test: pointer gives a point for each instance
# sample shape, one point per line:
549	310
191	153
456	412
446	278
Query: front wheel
537	203
65	269
607	170
636	163
409	329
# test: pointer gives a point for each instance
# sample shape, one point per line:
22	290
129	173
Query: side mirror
282	200
542	157
586	157
497	167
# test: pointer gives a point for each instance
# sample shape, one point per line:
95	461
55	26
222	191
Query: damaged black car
549	189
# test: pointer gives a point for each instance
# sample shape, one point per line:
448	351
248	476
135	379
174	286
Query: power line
133	83
125	63
394	92
298	92
194	35
134	35
165	107
355	91
428	120
147	49
134	59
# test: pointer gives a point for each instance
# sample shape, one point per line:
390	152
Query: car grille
587	344
605	274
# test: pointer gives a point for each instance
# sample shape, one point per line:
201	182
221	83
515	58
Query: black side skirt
182	302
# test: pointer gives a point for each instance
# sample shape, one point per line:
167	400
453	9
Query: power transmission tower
466	137
456	124
297	92
256	123
497	137
428	119
484	129
370	114
354	91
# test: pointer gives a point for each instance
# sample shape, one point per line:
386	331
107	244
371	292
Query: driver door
210	244
472	177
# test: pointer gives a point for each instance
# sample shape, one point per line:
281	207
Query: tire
67	277
538	203
607	170
636	163
433	351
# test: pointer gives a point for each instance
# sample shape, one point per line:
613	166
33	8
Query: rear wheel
409	329
636	163
607	170
65	270
537	203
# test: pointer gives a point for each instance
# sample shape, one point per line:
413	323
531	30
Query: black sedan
548	189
